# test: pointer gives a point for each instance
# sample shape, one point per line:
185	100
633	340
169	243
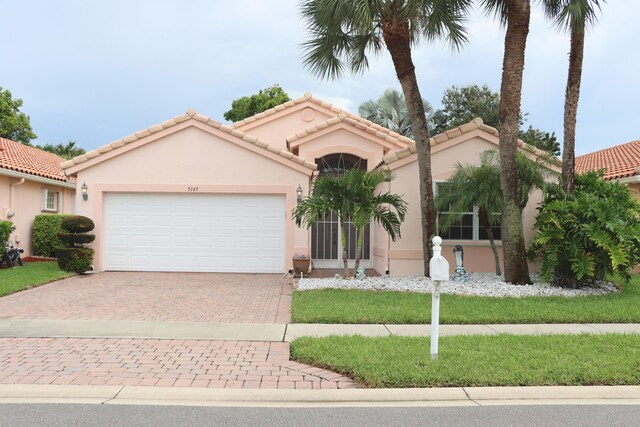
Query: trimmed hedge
77	224
6	228
76	260
73	239
44	235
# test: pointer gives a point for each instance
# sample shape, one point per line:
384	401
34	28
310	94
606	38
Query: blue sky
95	71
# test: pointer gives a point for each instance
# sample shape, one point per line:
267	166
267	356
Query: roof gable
620	161
171	125
453	136
30	160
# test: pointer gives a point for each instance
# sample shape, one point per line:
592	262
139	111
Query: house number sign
192	189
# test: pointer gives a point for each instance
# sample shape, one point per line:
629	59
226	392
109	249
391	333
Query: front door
326	243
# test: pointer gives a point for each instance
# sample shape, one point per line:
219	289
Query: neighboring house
192	194
621	163
31	183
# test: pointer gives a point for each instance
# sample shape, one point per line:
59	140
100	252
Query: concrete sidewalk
273	332
453	396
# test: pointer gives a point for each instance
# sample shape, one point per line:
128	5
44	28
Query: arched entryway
326	244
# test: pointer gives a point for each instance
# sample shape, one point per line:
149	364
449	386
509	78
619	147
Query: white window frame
476	219
57	199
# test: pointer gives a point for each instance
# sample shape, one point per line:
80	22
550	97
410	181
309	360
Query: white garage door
194	232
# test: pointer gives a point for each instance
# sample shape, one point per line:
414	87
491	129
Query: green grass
32	274
356	306
465	361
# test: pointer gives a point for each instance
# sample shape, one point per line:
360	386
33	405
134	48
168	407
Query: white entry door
194	232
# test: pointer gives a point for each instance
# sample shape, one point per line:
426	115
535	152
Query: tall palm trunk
572	95
345	257
360	231
397	39
484	219
515	264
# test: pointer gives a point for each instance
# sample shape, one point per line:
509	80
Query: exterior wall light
299	193
85	193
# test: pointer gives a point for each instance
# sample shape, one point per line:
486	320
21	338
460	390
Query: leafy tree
575	16
14	124
588	234
343	33
67	151
390	111
479	185
248	106
515	15
460	105
352	195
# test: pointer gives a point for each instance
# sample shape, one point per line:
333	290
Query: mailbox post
439	269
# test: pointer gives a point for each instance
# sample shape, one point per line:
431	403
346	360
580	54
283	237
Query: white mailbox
438	265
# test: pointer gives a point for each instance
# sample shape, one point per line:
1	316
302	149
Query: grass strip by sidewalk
30	275
465	361
357	306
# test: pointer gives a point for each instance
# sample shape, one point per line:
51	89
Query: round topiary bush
77	224
73	239
76	260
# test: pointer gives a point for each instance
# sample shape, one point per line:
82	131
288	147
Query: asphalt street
124	415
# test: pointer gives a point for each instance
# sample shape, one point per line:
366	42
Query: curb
455	396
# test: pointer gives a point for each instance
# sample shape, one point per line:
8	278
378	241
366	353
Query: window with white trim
51	200
469	226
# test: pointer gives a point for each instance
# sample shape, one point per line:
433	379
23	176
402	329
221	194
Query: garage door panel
194	232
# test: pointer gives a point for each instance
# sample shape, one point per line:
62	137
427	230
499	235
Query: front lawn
356	306
466	361
32	274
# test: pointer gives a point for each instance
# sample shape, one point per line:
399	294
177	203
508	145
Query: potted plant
301	264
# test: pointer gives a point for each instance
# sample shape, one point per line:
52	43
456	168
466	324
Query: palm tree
67	151
352	196
343	32
390	111
479	185
575	16
515	14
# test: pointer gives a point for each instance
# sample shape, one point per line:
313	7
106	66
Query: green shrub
76	260
75	239
588	234
44	235
77	224
6	228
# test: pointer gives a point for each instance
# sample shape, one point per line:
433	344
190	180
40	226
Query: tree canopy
460	105
248	106
67	151
14	124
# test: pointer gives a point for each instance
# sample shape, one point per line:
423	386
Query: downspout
12	212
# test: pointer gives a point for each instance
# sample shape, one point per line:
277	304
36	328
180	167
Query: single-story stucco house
31	183
192	194
621	163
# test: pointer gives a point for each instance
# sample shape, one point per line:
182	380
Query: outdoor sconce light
85	194
460	273
10	214
299	193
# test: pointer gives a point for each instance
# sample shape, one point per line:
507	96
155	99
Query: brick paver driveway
168	297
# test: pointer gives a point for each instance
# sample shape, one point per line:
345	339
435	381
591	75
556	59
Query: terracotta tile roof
476	123
189	115
339	111
34	161
365	125
619	161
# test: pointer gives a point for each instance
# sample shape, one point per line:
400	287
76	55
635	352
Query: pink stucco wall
193	155
27	203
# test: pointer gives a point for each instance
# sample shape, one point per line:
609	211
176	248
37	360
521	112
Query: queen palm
352	195
515	15
574	16
390	111
479	186
344	32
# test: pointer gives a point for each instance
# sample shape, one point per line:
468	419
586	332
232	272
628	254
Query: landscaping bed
29	276
466	361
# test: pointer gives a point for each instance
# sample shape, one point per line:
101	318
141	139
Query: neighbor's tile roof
190	114
476	123
381	130
619	161
34	161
